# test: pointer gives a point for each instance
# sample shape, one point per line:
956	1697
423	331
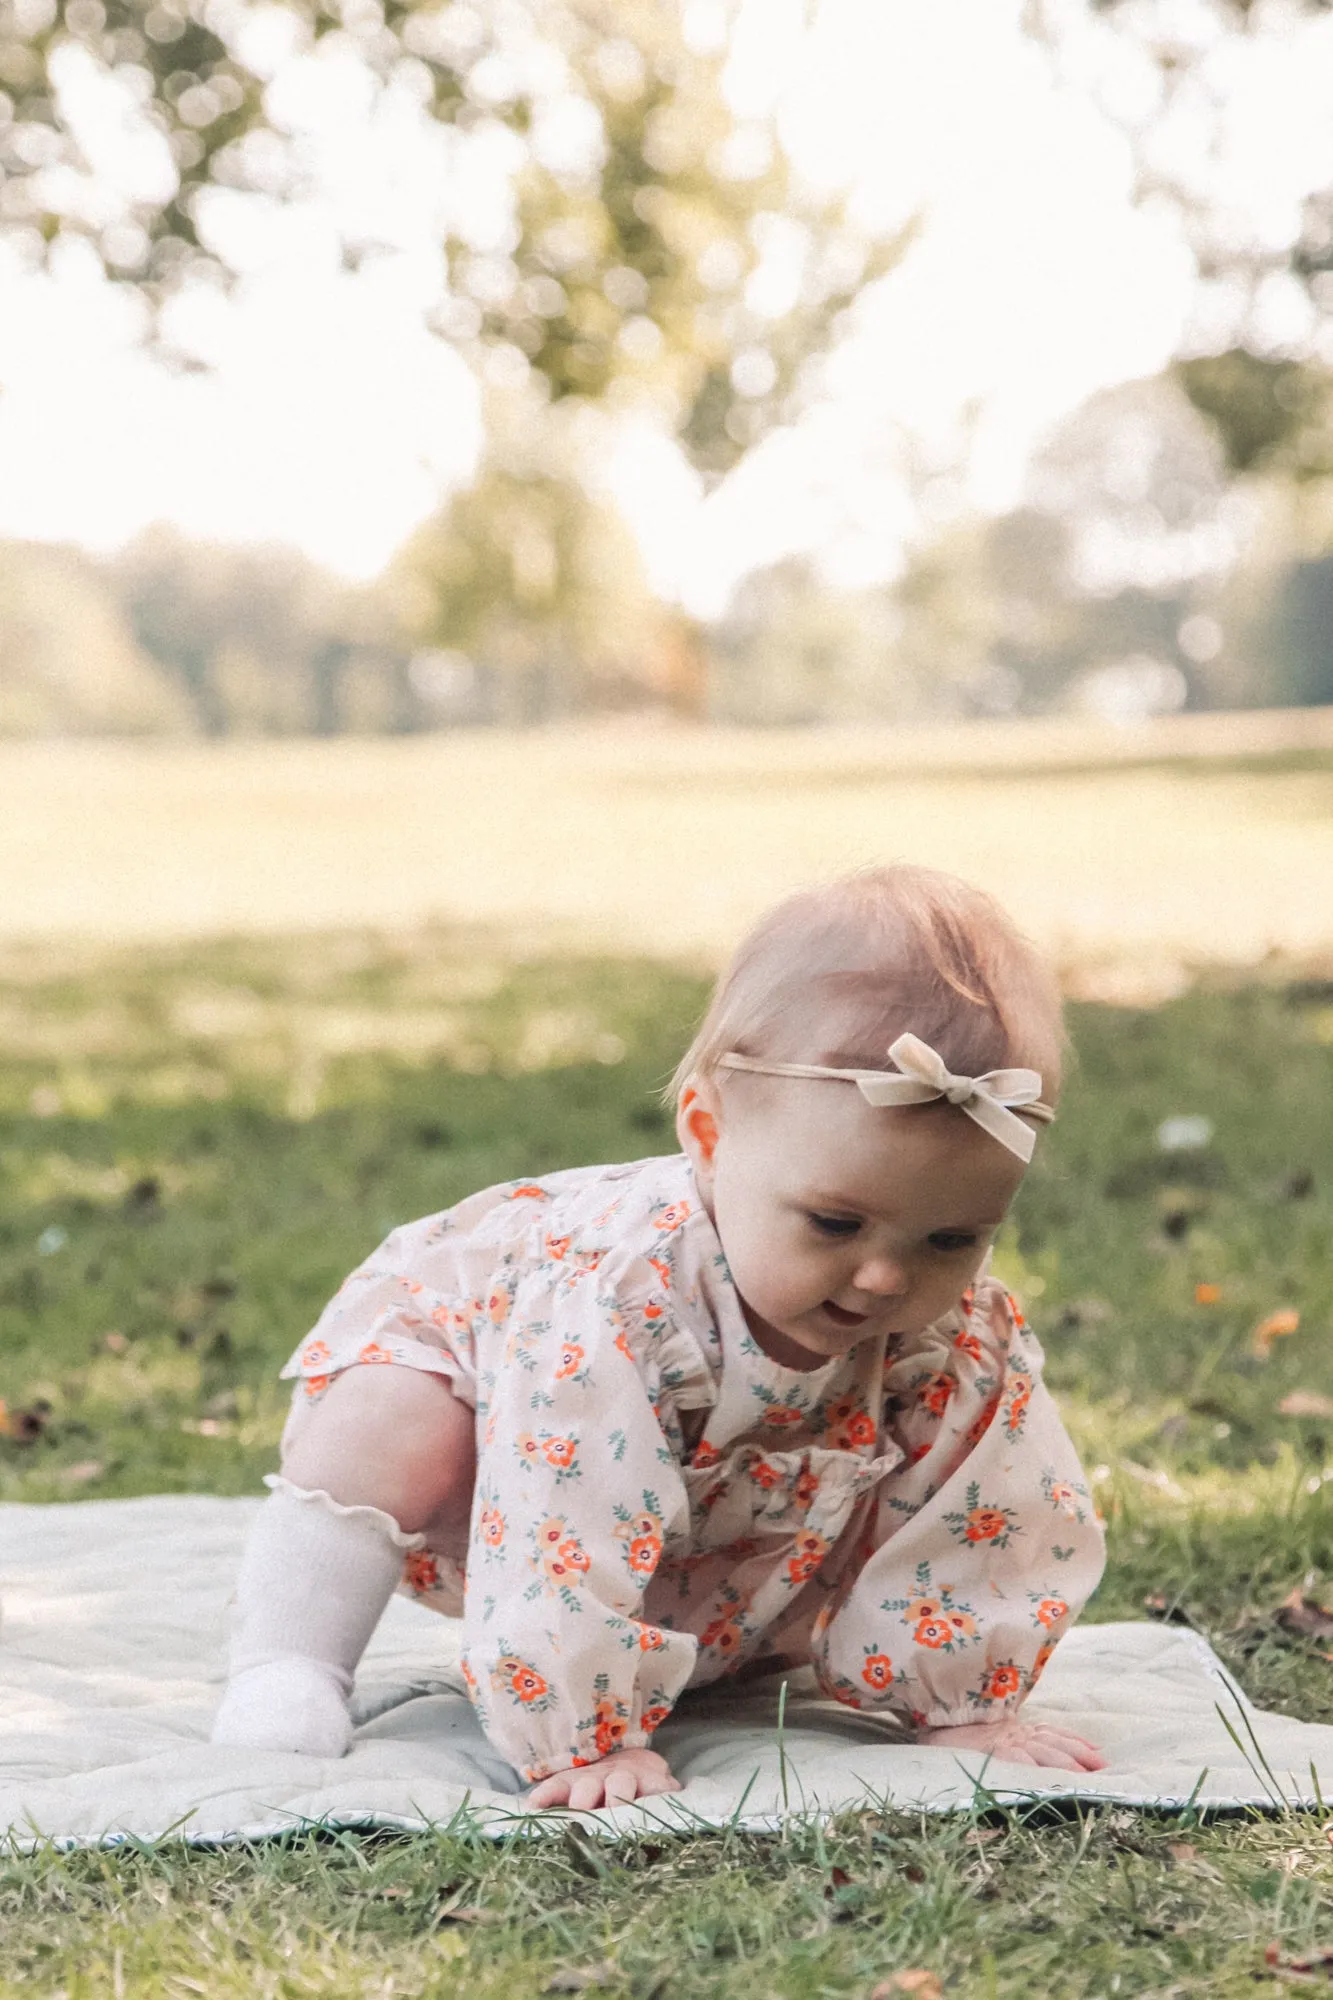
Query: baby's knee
399	1439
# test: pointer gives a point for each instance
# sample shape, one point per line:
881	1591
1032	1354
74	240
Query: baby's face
841	1221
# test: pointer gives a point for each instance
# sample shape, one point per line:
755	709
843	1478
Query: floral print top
657	1503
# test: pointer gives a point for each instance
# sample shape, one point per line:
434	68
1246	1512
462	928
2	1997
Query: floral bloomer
658	1504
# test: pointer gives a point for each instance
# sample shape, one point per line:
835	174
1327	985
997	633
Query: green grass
195	1147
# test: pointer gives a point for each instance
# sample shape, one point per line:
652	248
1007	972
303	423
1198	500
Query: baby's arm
985	1549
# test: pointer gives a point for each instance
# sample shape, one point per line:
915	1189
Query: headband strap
992	1101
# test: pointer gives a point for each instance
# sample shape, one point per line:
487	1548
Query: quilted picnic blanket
112	1638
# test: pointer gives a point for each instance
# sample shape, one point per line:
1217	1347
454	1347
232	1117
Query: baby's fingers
551	1791
1062	1750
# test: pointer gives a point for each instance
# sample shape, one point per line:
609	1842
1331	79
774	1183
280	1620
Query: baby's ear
697	1120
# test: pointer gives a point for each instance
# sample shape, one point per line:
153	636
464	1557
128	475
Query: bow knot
992	1101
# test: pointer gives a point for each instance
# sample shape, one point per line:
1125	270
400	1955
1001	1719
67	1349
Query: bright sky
332	420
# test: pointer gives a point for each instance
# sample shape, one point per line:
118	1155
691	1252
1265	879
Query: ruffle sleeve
982	1550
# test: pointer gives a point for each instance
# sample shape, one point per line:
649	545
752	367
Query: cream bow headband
992	1100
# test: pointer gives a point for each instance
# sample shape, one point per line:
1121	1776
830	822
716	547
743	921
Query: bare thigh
394	1438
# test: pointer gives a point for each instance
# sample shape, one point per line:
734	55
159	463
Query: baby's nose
882	1276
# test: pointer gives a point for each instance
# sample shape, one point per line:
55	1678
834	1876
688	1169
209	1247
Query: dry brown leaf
1181	1852
1277	1326
82	1472
1313	1968
1304	1616
1305	1403
1207	1294
915	1979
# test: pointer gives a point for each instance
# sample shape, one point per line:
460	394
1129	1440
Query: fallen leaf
1158	1605
1276	1327
977	1836
1304	1616
1207	1294
26	1426
1306	1403
1314	1968
114	1343
80	1474
1181	1852
579	1981
915	1979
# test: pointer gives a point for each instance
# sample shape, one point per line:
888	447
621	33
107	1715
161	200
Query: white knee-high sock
314	1579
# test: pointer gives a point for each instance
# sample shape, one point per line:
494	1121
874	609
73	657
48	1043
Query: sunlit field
201	1132
1192	840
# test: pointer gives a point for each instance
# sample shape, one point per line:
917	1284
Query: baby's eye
949	1240
835	1225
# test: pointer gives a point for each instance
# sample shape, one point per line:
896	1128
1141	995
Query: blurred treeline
1144	573
652	259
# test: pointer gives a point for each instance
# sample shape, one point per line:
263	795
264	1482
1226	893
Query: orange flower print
934	1393
622	1342
1049	1611
764	1474
372	1352
985	1418
642	1534
559	1451
933	1632
421	1571
573	1558
723	1634
1001	1682
498	1304
877	1672
847	1425
966	1342
779	1414
314	1354
968	1300
982	1525
644	1552
315	1385
653	1718
808	1553
571	1360
523	1681
651	1639
1039	1665
1065	1497
663	1270
491	1526
806	1487
558	1247
528	1191
705	1454
918	1452
672	1217
610	1729
1016	1409
527	1447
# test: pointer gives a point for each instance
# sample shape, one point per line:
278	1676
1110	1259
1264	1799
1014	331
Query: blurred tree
260	641
69	664
1271	400
658	258
539	587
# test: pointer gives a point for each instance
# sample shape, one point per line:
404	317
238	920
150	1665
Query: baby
751	1405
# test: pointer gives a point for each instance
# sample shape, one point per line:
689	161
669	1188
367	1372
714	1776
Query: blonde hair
834	974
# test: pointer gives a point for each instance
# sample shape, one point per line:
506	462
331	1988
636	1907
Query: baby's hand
1019	1742
611	1781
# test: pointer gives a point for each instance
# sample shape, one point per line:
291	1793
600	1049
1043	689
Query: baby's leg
385	1452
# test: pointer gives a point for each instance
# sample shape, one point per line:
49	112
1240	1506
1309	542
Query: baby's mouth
841	1317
